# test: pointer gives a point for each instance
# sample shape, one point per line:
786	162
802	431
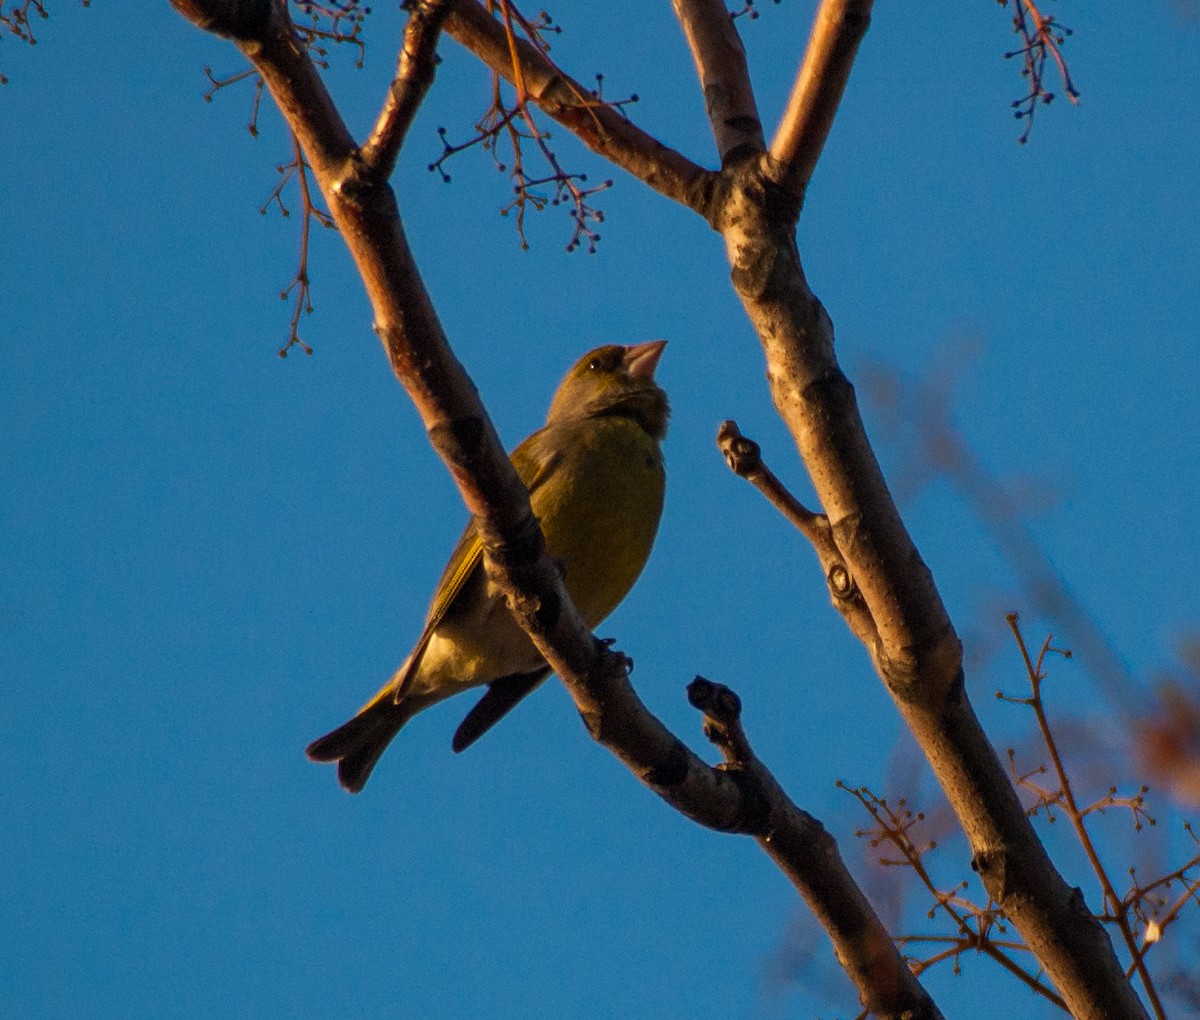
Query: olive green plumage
595	478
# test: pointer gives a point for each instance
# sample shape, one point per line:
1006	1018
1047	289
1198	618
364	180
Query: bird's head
614	380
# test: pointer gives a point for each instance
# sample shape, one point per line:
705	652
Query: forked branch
744	458
414	76
597	124
838	29
742	796
720	61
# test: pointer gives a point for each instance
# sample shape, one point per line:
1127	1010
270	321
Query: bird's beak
642	359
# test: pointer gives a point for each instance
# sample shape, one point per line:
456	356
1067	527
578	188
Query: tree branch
601	128
720	61
745	460
740	797
838	29
916	651
809	856
414	75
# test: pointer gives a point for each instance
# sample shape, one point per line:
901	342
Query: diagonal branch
809	856
744	458
414	76
800	137
740	797
916	652
601	128
720	61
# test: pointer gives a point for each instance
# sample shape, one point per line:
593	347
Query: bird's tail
357	745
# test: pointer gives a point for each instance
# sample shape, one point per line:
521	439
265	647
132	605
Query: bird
596	482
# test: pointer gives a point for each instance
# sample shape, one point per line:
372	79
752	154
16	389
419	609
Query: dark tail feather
357	745
501	697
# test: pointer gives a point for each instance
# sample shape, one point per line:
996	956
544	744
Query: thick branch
800	137
720	60
600	127
916	652
809	856
745	799
414	76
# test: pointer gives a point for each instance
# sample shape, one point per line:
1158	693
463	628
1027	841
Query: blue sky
211	555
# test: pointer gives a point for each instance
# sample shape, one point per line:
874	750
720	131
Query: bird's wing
534	463
500	698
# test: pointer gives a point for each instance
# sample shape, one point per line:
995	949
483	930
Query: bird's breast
600	517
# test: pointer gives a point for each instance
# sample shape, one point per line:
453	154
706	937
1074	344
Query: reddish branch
601	128
742	796
1042	37
724	77
913	645
414	76
838	29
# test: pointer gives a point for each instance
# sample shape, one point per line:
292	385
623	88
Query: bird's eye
594	364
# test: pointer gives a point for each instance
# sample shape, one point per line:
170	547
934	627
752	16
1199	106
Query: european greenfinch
596	480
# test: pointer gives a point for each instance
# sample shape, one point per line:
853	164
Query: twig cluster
16	21
331	22
976	929
324	23
1136	915
300	289
249	74
1140	915
749	11
509	126
1042	37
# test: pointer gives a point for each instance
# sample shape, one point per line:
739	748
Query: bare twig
16	19
331	22
1115	906
802	848
1042	37
249	74
837	31
744	458
724	77
414	76
973	924
500	126
300	285
603	129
